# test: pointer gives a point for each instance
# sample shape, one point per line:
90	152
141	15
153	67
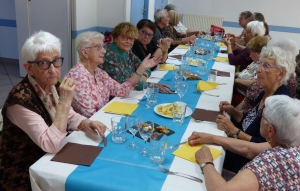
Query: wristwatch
202	165
237	134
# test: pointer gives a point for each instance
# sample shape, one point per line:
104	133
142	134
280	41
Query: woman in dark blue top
275	69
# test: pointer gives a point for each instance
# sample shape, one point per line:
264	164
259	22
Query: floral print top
277	168
120	65
92	92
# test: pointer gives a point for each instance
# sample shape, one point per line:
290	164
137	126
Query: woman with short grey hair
274	165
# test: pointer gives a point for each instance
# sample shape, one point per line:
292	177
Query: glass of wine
146	129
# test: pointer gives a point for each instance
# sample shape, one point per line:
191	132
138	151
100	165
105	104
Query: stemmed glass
186	72
146	129
133	123
176	73
147	92
181	88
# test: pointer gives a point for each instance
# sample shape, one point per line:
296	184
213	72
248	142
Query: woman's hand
149	63
66	91
164	44
93	126
225	106
198	138
203	155
224	124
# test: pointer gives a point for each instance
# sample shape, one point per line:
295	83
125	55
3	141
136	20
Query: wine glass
186	72
133	124
176	73
147	92
181	89
146	129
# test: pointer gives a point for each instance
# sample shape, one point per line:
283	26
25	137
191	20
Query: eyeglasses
125	38
147	34
266	66
45	64
98	47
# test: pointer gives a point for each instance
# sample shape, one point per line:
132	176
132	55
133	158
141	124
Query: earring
269	141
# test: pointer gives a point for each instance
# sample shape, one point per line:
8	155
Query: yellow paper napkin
188	152
205	86
120	107
183	46
194	62
220	44
221	59
167	67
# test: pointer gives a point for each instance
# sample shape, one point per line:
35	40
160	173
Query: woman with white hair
37	113
275	68
93	85
241	58
274	165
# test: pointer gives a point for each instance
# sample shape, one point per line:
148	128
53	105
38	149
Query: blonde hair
125	28
174	17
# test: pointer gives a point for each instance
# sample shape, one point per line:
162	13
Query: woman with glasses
274	165
275	68
93	85
37	113
144	44
121	63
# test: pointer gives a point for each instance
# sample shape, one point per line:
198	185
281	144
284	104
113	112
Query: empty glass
147	93
118	128
133	124
179	109
146	129
212	75
154	89
202	67
186	72
176	73
158	145
181	88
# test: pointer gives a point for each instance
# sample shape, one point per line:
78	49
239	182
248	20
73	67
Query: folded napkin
78	154
183	46
194	62
121	107
220	44
178	56
167	67
221	59
205	86
223	73
188	152
205	115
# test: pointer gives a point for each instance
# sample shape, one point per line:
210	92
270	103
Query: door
160	4
138	11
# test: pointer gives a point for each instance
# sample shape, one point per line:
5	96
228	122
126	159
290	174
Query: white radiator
201	22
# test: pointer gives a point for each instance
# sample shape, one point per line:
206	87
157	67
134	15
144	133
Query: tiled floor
9	76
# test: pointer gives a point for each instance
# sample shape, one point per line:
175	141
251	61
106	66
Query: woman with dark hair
144	44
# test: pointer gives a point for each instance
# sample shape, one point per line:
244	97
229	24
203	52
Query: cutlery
179	174
103	138
166	79
200	121
222	84
175	145
206	93
171	58
133	98
116	113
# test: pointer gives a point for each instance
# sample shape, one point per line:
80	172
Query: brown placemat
178	56
223	73
78	154
205	115
188	34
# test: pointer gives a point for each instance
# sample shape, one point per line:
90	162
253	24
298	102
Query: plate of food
166	110
201	51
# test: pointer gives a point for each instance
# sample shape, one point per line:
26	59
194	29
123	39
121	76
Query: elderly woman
37	112
275	164
120	62
93	85
241	58
275	69
144	45
170	31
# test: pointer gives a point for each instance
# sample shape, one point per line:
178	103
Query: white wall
277	12
85	14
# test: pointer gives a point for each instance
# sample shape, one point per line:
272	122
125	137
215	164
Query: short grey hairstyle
85	40
257	28
288	45
170	7
159	13
41	41
283	59
283	113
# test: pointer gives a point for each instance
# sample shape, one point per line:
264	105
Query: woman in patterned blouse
120	62
93	85
275	164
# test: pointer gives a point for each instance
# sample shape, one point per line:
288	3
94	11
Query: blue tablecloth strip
119	168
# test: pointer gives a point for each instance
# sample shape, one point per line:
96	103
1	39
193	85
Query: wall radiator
201	22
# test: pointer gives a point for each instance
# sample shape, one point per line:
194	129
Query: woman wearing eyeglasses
144	44
120	62
37	113
93	85
275	68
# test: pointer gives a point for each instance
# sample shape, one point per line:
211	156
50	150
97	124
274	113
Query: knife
103	138
116	113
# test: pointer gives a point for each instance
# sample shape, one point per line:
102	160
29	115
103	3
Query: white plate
188	111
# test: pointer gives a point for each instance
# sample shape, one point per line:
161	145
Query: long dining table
119	168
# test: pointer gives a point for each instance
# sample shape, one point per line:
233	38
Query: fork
175	145
133	98
206	93
180	174
200	121
168	79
